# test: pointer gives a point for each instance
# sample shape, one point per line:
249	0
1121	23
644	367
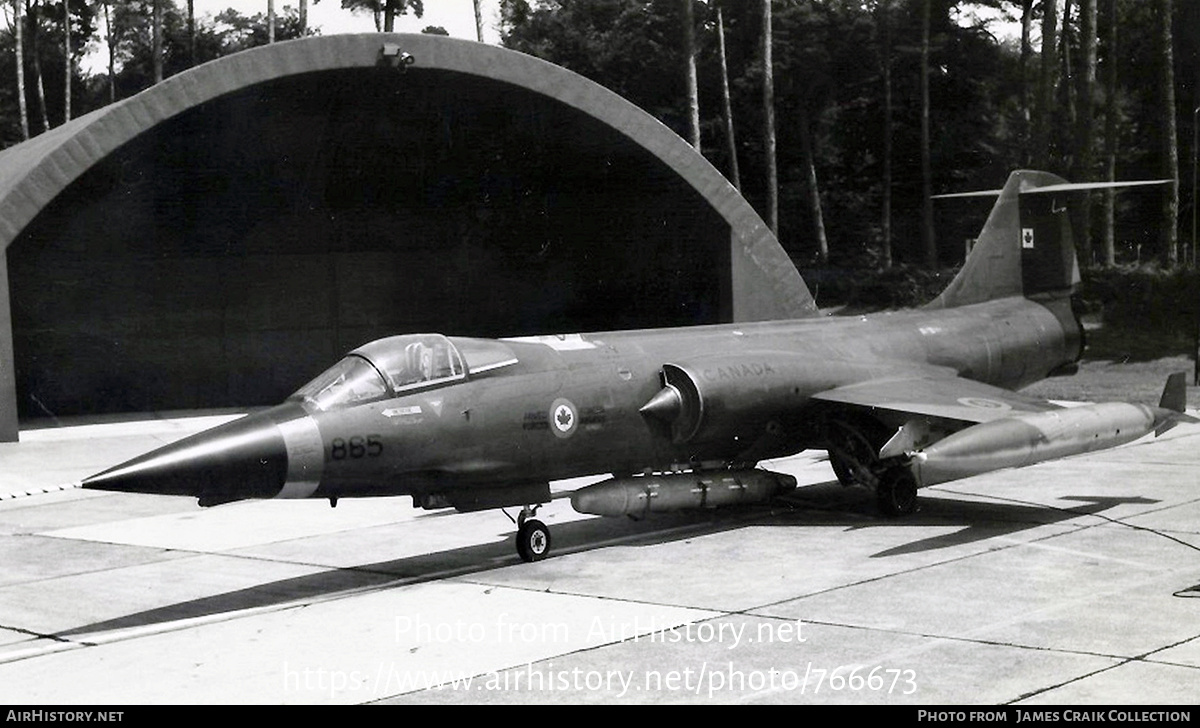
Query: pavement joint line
45	490
60	644
38	580
977	641
1055	607
185	554
922	567
1010	544
1074	529
496	562
1122	663
716	613
577	651
34	633
1109	520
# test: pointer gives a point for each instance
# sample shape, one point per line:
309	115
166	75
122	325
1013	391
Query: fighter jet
681	417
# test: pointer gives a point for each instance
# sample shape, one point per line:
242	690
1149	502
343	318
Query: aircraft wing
948	397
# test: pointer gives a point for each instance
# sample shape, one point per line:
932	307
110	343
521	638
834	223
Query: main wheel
897	492
854	449
533	540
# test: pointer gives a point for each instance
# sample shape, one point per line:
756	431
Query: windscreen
350	381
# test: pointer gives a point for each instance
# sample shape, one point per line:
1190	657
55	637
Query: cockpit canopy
399	364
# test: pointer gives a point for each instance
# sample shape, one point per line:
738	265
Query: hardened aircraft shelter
219	238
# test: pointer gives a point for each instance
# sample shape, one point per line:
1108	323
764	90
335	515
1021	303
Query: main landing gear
854	446
896	491
533	537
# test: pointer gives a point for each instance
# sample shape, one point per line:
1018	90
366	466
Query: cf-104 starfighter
681	417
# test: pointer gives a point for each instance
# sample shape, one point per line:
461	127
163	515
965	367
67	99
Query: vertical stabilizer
1025	247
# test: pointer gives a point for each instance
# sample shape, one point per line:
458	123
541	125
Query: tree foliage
988	115
828	66
131	35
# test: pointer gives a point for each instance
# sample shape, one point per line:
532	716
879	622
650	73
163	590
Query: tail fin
1026	247
1174	401
1174	396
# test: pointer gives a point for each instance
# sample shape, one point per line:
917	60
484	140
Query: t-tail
1026	247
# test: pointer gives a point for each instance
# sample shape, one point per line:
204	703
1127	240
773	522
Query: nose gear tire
533	540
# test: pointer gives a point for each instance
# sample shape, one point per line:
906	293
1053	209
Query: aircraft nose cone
246	458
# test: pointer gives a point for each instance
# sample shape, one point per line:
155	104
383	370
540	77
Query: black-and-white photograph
408	352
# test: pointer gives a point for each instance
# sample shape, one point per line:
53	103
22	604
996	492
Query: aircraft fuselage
570	406
505	417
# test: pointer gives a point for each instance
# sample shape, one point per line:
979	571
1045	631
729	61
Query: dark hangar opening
230	253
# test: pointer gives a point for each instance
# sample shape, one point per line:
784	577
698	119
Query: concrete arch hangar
222	236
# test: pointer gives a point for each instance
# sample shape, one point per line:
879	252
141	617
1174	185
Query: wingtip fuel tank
1029	438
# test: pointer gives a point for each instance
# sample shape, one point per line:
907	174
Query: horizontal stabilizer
1064	187
1026	247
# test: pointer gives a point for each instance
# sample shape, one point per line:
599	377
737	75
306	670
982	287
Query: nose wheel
533	537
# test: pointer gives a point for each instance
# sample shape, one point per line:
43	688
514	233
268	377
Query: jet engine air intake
700	398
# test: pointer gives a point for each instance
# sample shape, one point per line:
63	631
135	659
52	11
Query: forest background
839	120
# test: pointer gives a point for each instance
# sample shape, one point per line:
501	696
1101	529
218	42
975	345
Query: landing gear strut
533	537
854	450
854	446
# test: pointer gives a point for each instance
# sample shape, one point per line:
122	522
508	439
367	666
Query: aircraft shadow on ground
826	504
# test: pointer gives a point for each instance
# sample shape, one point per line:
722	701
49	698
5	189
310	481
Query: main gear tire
896	493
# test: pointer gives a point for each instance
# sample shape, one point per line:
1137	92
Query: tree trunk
478	21
1170	149
191	33
112	54
304	18
1085	131
769	123
389	16
19	25
886	57
157	30
68	66
727	105
928	239
1066	88
814	191
270	21
689	52
1047	81
37	65
1109	244
1026	54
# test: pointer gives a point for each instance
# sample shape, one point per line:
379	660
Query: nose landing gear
533	537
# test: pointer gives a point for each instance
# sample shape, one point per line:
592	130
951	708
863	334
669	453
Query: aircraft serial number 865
370	446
